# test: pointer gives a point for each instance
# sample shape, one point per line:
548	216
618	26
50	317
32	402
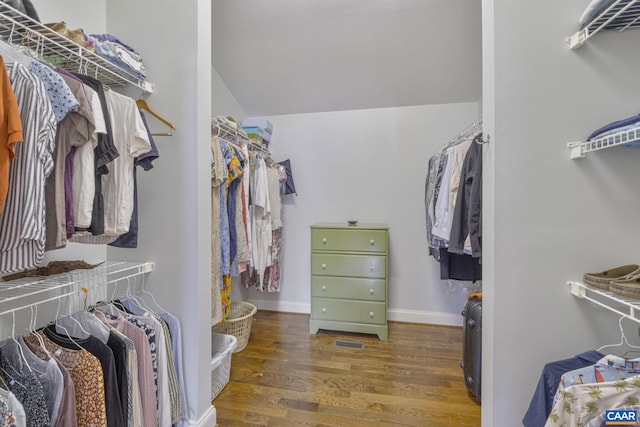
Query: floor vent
349	344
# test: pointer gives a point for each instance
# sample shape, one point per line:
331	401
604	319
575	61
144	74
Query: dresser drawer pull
372	314
324	309
372	242
372	291
324	266
324	241
324	288
372	267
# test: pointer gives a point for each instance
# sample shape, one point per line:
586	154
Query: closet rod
471	130
28	292
225	131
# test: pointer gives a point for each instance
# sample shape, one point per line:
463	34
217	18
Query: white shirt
83	182
261	220
131	140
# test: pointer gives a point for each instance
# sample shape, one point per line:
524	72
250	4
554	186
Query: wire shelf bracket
580	149
620	15
39	41
625	307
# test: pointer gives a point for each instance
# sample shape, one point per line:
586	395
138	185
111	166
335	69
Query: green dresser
349	266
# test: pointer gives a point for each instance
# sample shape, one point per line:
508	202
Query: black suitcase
472	346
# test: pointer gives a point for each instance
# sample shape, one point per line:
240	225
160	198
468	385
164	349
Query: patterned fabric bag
288	185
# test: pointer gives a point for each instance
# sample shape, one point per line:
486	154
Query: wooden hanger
144	105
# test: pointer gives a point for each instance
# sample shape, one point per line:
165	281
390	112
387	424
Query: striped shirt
22	223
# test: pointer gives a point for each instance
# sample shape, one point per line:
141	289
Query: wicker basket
238	324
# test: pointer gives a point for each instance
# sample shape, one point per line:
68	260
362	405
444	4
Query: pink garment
145	368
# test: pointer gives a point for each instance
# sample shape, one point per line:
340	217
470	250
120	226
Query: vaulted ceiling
298	56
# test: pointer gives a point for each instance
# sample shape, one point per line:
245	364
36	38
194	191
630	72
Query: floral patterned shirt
88	380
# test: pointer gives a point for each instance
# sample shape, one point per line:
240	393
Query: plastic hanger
140	303
56	326
623	339
162	310
84	331
32	331
5	385
142	104
13	337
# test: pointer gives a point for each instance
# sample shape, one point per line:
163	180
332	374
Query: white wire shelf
622	306
620	15
227	132
108	281
580	149
22	32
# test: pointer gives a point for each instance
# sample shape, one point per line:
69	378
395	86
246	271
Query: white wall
552	218
74	13
223	103
175	216
368	165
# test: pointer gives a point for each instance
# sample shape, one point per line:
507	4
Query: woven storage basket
238	324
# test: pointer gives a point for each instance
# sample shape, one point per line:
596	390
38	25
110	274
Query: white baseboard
412	316
426	317
208	419
284	306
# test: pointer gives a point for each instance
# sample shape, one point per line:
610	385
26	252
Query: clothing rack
21	299
227	132
39	41
472	129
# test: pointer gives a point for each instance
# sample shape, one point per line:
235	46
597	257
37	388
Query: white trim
283	306
412	316
208	419
426	317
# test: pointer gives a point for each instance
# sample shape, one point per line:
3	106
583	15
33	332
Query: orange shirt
10	130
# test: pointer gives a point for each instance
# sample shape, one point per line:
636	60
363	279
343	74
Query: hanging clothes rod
226	131
471	130
27	293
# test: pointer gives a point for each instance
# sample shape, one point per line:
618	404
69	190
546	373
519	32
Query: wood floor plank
287	377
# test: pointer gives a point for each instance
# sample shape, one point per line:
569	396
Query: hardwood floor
287	377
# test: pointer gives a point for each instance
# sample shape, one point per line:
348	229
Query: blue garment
617	127
109	37
621	130
106	53
225	238
542	400
231	209
130	239
58	92
613	126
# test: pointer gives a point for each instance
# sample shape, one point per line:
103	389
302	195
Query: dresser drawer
371	266
349	311
348	240
349	288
